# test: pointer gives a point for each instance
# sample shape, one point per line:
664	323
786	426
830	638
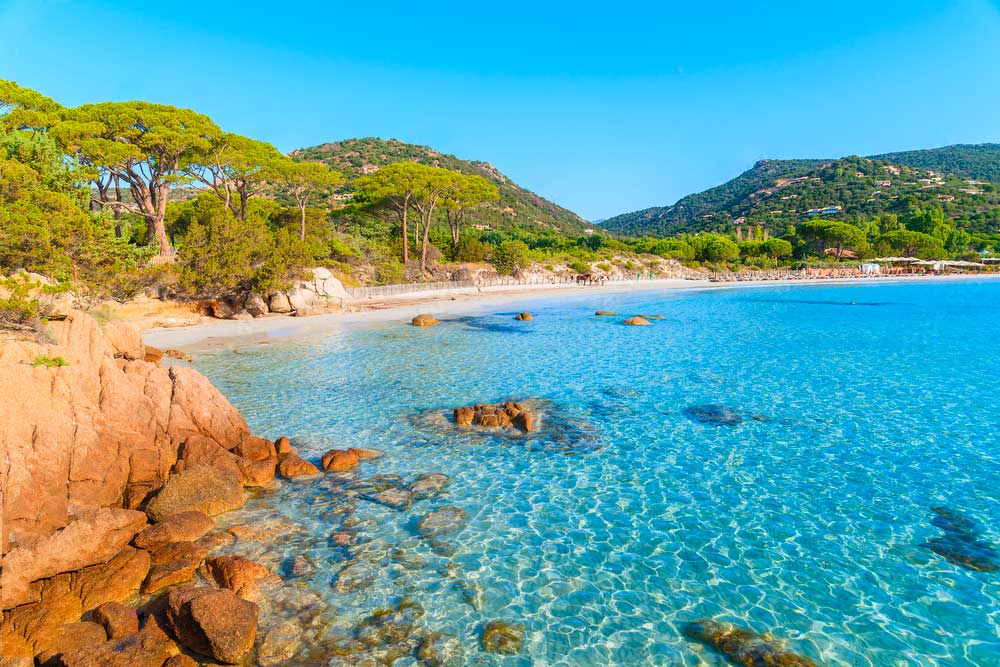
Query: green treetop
467	192
305	182
149	147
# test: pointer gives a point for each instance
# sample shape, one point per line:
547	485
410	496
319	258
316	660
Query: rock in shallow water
425	320
438	649
396	498
961	543
637	322
743	647
442	521
502	637
500	415
429	485
713	413
215	623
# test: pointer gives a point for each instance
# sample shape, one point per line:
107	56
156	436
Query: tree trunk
406	235
302	221
427	233
160	232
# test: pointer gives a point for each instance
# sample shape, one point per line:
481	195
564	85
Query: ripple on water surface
803	512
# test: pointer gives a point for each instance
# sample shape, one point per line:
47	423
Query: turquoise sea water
874	403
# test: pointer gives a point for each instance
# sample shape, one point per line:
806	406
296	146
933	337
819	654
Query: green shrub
579	266
48	362
20	310
510	257
604	266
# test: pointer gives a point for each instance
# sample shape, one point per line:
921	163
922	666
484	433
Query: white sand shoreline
446	303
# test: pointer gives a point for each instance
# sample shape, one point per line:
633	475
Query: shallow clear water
880	402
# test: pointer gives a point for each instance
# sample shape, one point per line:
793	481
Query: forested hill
517	206
975	161
781	193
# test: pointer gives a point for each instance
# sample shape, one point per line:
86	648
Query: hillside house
883	184
827	210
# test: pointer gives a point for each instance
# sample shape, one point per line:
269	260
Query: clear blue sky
603	109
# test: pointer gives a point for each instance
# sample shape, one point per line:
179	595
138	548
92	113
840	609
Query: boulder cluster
113	467
323	292
509	415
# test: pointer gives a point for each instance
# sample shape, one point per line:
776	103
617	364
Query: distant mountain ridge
517	205
780	193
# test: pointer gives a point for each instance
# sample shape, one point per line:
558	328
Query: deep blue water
873	404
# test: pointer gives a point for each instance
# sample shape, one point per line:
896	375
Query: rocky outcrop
500	415
524	317
637	322
150	647
93	538
30	628
86	446
99	431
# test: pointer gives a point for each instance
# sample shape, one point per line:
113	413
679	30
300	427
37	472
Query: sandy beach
447	303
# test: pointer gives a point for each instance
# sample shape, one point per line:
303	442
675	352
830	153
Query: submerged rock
651	317
605	313
425	320
961	543
743	647
395	498
713	413
438	649
381	639
502	637
281	643
429	485
355	576
442	521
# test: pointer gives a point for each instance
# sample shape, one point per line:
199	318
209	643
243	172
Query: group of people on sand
817	274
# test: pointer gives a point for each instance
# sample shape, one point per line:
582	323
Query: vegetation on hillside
515	208
974	161
782	193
